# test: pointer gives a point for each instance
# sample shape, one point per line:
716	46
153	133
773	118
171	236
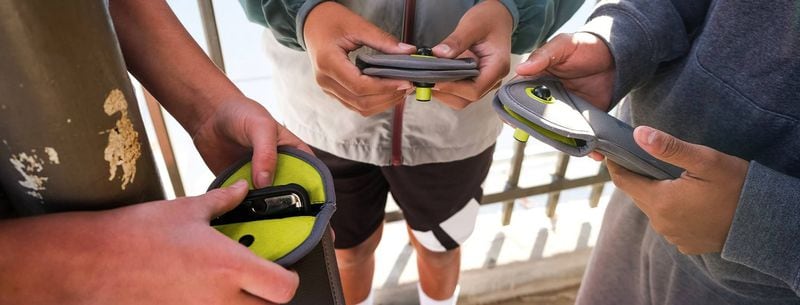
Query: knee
356	255
438	258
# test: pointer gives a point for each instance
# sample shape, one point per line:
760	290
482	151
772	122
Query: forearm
36	250
168	62
642	34
764	234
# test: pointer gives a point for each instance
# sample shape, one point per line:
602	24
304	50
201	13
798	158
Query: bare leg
356	267
438	271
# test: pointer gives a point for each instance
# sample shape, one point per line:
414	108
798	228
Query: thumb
547	55
373	37
218	201
665	147
465	35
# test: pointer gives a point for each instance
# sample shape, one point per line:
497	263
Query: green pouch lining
284	240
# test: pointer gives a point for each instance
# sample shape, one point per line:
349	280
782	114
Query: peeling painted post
71	137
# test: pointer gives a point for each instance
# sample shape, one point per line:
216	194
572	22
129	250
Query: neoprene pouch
548	112
301	242
417	68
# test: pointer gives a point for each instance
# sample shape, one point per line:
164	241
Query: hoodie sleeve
285	18
642	34
765	233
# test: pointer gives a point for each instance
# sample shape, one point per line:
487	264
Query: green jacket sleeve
535	21
285	18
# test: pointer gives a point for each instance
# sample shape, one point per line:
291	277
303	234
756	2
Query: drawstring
397	124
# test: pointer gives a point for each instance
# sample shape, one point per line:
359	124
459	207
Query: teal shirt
534	20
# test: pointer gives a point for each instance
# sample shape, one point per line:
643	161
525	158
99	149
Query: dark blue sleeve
765	233
643	34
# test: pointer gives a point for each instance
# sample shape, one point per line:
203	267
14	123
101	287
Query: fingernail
241	183
404	87
442	48
650	134
263	179
526	64
403	45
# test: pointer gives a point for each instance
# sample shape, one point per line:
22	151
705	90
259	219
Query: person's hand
161	252
581	61
693	212
332	31
484	32
237	126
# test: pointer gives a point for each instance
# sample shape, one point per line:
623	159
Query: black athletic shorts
439	200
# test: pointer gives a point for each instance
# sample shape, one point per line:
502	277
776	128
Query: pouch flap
574	126
551	120
422	76
414	62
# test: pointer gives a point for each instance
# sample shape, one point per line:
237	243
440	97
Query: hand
236	126
581	61
161	252
332	31
223	123
693	212
485	31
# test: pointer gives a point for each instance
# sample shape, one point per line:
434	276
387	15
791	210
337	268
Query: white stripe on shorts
459	227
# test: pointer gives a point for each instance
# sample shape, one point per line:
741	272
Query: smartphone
269	203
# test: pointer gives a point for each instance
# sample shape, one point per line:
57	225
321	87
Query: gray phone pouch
545	110
423	70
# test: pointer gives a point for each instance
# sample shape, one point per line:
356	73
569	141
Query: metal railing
553	188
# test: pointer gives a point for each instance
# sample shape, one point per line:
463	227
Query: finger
596	156
368	34
640	188
546	56
691	157
263	138
268	281
688	250
471	90
364	105
451	101
246	298
492	70
463	37
337	66
218	201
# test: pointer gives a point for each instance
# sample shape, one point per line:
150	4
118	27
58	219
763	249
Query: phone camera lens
259	207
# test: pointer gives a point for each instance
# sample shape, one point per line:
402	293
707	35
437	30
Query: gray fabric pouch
417	68
544	109
301	241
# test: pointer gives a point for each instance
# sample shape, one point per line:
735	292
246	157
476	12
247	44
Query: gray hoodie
725	74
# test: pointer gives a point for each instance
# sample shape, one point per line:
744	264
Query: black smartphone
269	203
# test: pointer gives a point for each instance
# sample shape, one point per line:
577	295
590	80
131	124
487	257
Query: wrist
316	21
205	111
513	12
302	15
